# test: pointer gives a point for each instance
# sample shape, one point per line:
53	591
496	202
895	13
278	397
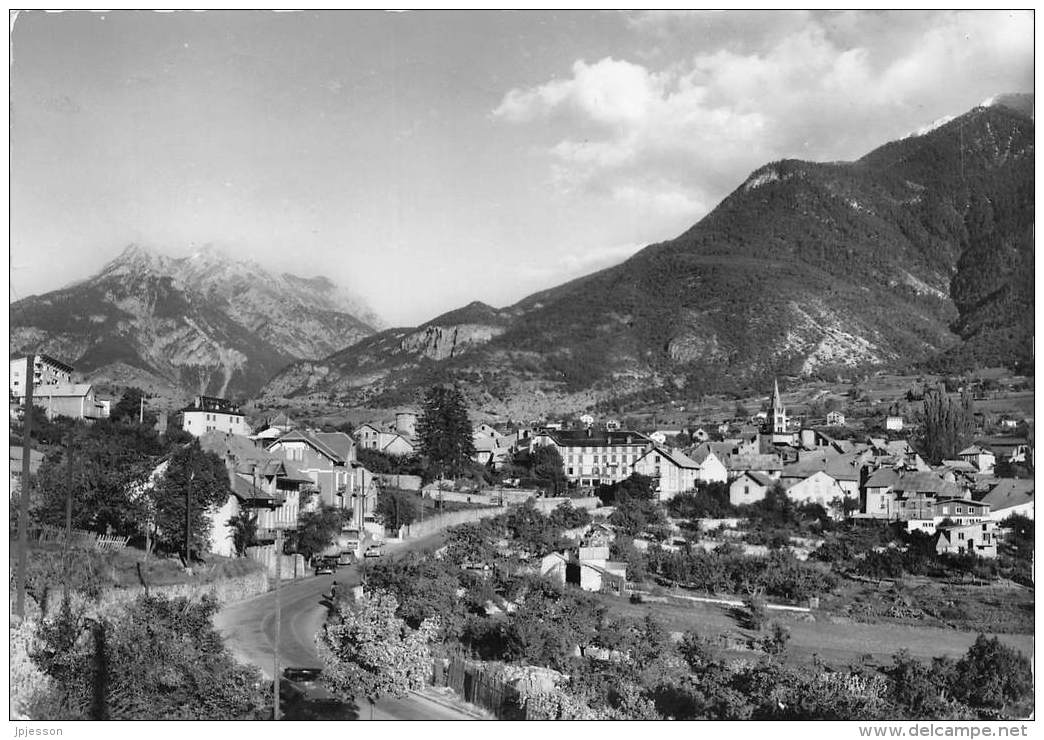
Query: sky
428	159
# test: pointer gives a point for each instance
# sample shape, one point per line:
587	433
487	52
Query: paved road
249	630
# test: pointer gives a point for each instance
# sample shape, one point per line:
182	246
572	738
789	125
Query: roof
883	478
959	465
923	482
760	478
339	442
281	419
678	457
972	450
1009	492
1001	442
212	404
68	390
962	500
46	359
754	462
319	445
596	438
245	490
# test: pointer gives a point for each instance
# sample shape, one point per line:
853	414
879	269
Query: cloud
683	134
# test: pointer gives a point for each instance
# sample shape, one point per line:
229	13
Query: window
569	471
960	510
960	535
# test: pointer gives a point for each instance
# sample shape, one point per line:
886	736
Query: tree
397	508
371	651
992	676
948	425
156	659
130	406
244	530
546	468
444	432
316	530
198	475
110	464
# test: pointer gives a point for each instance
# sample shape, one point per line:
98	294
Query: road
249	630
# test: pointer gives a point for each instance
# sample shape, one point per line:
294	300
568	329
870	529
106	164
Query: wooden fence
469	682
80	538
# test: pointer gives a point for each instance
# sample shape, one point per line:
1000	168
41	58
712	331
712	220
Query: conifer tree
444	431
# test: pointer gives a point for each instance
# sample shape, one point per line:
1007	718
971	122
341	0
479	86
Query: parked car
323	567
373	551
303	696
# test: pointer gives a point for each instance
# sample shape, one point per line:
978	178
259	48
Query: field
837	641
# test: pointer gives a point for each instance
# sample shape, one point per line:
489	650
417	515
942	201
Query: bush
756	613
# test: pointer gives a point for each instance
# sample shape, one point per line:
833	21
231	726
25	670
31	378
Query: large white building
594	457
209	414
46	371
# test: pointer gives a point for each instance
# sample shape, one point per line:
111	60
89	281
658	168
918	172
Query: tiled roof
597	438
246	491
972	450
316	443
921	482
339	442
883	478
1009	492
760	478
64	390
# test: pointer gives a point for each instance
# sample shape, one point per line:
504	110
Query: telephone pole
188	520
23	509
278	622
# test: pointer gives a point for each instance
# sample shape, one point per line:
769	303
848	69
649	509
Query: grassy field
836	640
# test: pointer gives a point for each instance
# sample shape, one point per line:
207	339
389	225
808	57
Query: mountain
200	324
921	251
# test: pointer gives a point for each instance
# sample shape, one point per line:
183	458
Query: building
876	498
749	488
1010	496
329	459
260	482
960	510
210	414
672	471
818	488
979	538
46	371
981	458
393	440
591	457
894	423
835	419
780	421
75	400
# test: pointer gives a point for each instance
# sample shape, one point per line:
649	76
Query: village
274	470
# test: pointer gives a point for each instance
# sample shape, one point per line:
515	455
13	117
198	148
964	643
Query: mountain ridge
205	323
916	251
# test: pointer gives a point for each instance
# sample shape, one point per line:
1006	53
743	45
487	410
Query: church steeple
779	413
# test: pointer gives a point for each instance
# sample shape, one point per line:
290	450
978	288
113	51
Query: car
373	551
302	693
323	568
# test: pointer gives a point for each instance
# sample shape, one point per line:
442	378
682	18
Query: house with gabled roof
768	465
983	459
675	472
750	487
325	457
977	538
1010	496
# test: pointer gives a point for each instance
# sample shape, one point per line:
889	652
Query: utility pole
278	622
68	510
23	509
188	514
